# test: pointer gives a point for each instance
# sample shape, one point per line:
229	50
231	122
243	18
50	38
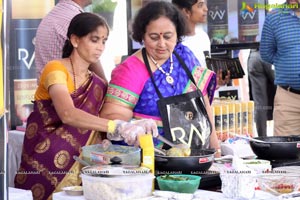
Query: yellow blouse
53	73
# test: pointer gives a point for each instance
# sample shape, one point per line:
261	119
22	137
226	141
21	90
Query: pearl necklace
169	78
73	71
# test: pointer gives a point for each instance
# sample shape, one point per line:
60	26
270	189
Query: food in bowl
96	154
182	183
117	187
258	165
284	188
179	150
278	184
114	170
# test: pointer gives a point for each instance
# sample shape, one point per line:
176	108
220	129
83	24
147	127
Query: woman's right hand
129	131
149	125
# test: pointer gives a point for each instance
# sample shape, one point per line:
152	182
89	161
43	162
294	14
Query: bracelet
111	126
218	151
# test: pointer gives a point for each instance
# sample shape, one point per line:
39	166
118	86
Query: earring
75	46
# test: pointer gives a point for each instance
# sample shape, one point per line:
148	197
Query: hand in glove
149	125
121	130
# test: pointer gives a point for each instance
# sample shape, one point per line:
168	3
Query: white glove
149	125
126	131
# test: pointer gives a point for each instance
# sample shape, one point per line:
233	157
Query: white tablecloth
198	195
15	144
64	196
18	194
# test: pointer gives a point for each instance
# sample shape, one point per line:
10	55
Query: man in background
280	46
262	90
52	34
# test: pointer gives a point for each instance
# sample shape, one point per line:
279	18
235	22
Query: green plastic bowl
182	183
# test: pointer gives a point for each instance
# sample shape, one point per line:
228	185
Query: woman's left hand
223	78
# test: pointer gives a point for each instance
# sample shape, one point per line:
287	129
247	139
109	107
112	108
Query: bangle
218	151
111	126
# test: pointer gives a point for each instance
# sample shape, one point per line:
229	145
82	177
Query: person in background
197	39
280	46
159	26
262	90
66	113
52	34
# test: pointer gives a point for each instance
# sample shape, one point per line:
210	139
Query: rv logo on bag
189	115
178	133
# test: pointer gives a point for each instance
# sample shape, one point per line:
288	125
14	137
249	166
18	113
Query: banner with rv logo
23	24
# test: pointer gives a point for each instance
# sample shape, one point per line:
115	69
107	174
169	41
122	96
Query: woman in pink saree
143	86
66	108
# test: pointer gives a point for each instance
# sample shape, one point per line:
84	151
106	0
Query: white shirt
198	43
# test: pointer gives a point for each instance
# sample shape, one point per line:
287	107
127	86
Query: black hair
81	25
187	4
152	11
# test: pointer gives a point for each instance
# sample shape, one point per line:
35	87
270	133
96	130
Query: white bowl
73	190
258	165
117	187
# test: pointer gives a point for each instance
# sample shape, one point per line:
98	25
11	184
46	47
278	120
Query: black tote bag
185	119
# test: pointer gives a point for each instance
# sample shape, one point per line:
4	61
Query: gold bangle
111	126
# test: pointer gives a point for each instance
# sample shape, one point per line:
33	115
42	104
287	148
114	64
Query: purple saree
47	162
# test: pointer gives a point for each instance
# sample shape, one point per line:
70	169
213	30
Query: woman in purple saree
67	96
49	144
66	113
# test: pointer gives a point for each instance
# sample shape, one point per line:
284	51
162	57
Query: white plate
240	150
73	190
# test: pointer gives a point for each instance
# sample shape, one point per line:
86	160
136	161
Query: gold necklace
169	78
73	71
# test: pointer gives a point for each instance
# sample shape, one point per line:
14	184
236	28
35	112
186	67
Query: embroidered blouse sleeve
127	82
205	80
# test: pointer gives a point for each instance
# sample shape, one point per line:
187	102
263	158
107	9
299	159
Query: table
14	148
198	195
19	194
